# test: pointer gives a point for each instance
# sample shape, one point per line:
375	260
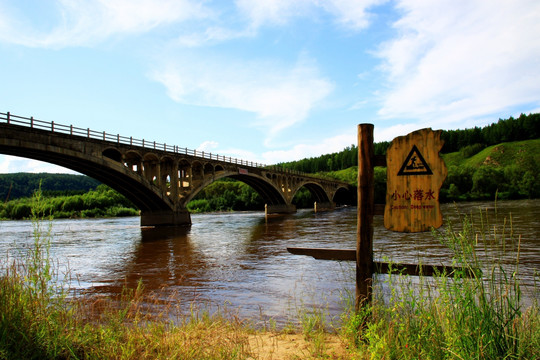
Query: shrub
471	150
118	211
73	203
198	206
488	180
21	211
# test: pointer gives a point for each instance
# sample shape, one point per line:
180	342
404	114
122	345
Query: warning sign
415	164
415	174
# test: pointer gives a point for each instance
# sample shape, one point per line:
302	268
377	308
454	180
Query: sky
267	81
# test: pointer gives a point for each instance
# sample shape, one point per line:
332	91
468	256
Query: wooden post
364	234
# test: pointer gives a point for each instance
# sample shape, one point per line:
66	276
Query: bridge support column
324	206
280	209
166	218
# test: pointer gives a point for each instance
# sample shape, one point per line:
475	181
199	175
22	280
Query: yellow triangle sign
415	164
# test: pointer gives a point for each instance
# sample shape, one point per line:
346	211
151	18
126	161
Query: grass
504	154
443	317
461	317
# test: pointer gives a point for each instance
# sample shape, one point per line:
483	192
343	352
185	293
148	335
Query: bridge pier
324	206
166	218
279	209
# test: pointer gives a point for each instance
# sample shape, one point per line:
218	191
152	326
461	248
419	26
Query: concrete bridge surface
159	179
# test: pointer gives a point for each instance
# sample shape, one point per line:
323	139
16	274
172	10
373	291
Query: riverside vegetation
100	202
438	317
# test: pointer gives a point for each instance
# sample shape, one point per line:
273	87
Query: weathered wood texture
325	254
415	174
380	267
364	236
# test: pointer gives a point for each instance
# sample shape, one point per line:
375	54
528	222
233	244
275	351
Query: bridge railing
71	130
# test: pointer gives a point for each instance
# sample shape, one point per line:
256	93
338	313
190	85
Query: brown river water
239	260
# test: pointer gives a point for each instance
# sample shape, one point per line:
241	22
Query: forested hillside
18	185
525	127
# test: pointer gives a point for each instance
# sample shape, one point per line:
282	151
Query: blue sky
266	81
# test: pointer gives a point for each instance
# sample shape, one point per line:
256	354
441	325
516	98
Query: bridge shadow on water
200	256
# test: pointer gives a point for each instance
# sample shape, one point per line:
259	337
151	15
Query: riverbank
101	202
443	318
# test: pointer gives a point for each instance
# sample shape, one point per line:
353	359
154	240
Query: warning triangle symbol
414	164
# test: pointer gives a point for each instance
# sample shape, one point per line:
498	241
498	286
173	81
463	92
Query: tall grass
39	321
32	312
476	314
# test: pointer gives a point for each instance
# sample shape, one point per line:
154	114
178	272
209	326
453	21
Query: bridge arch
265	189
343	196
316	190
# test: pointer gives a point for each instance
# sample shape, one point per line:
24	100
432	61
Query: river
239	260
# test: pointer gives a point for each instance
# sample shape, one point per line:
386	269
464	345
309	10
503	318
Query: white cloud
250	16
208	146
349	13
301	151
273	12
85	22
212	35
381	133
280	95
455	60
297	152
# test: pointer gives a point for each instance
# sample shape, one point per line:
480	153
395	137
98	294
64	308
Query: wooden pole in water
364	234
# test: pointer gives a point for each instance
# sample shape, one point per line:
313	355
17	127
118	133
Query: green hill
21	185
511	170
505	154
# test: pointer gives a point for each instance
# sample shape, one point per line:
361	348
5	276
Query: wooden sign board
415	174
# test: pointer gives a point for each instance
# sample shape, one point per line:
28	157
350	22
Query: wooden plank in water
380	267
417	270
325	254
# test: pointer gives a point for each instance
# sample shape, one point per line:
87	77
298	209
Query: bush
119	211
471	150
488	180
92	213
198	206
73	203
21	211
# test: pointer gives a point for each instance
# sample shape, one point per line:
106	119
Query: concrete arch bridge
159	179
